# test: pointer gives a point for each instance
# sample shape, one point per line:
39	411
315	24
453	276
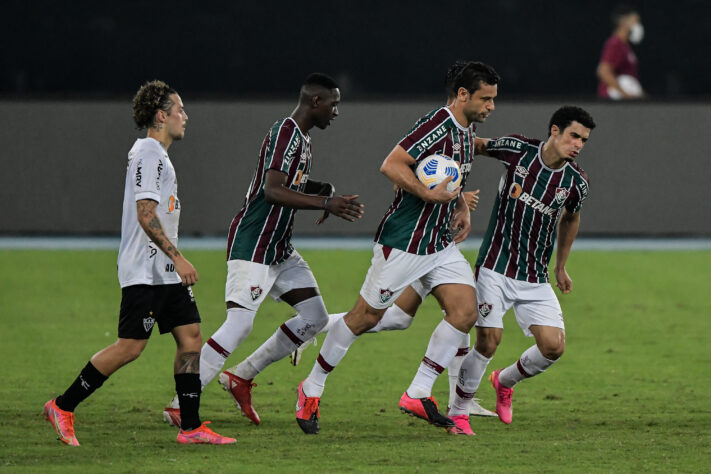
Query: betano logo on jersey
426	142
516	192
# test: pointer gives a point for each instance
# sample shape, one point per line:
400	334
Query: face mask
636	33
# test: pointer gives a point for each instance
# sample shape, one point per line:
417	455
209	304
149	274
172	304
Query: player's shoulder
285	123
514	142
578	172
148	149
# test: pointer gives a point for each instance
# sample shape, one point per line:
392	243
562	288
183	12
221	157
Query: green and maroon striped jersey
411	224
522	227
261	232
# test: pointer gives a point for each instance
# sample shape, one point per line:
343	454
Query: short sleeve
578	194
508	149
147	176
284	148
427	132
612	53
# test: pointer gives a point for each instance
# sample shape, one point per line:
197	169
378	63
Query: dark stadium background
68	72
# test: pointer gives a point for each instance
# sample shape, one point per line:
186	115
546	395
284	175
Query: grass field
631	394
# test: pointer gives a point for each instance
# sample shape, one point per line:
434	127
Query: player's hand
461	226
185	271
471	198
345	207
563	281
440	195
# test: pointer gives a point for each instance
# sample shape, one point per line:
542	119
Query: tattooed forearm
188	363
146	209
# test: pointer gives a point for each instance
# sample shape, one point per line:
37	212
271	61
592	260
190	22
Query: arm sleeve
284	148
147	176
426	133
578	195
508	149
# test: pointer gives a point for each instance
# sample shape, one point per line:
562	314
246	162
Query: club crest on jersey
255	292
485	309
385	295
148	323
521	171
561	194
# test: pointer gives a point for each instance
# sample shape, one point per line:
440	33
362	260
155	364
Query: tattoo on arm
188	363
150	223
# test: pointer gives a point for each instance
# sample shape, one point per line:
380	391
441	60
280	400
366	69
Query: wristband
325	201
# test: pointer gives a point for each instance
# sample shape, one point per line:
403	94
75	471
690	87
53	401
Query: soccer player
155	277
261	259
541	192
414	242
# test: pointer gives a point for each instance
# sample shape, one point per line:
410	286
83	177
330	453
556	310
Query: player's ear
555	130
462	93
315	101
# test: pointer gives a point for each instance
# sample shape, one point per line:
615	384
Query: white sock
443	345
334	348
311	318
394	319
532	362
470	374
453	367
332	318
218	348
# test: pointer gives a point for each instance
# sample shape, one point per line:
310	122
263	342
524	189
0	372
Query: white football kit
150	175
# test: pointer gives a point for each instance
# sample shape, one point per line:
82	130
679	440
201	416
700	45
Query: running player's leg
399	316
550	345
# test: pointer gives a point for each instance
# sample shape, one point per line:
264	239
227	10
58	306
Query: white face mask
636	33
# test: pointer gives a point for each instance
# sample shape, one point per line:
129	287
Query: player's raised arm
480	146
567	231
397	167
277	192
149	222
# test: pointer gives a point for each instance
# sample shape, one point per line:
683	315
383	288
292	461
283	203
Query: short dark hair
452	74
472	75
568	114
320	79
150	98
619	12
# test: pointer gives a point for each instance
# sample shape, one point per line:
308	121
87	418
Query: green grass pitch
631	394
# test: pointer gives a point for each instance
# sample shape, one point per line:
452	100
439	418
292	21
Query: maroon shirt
619	55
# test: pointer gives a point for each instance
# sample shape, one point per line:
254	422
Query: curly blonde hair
150	98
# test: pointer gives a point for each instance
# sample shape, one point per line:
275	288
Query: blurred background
68	72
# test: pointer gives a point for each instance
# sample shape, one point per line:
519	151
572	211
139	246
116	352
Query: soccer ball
435	168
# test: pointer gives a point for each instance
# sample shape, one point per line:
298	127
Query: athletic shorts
392	270
533	303
142	306
249	283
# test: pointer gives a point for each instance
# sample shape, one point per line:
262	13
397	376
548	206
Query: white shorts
249	283
392	270
533	303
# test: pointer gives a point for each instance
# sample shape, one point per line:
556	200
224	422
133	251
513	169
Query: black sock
89	380
187	386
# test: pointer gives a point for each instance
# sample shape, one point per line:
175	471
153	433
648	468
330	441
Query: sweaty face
176	119
570	141
327	108
481	103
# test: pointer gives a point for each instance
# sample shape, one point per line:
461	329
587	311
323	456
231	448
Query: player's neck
459	115
161	136
623	34
302	119
550	157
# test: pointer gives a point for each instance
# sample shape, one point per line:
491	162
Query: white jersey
150	175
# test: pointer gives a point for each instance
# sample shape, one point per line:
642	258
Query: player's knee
552	349
487	342
130	350
461	318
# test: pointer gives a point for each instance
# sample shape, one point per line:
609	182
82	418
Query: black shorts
144	305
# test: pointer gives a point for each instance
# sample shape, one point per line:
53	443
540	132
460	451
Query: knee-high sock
443	345
218	348
468	380
334	348
453	367
532	362
394	319
311	318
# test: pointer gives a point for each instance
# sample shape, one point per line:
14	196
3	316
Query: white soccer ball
629	84
435	168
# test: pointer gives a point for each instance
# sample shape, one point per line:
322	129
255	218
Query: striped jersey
522	227
261	232
411	224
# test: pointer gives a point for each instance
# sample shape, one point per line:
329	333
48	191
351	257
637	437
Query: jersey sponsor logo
561	194
300	178
537	205
291	152
515	190
521	171
173	204
583	186
465	168
160	170
190	293
485	309
385	295
148	322
506	143
139	176
255	292
426	142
